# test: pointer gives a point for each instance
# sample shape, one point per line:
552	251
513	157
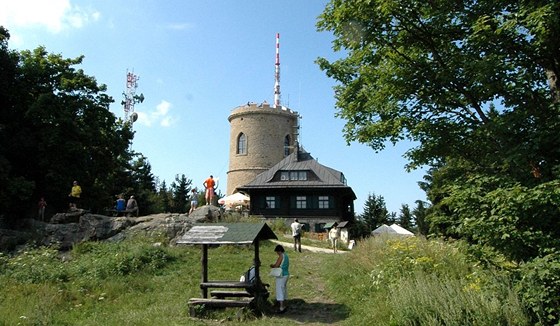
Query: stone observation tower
260	136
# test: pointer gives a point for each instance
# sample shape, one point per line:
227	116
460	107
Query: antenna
130	98
277	73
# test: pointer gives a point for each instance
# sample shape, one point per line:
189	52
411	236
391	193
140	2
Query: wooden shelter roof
227	233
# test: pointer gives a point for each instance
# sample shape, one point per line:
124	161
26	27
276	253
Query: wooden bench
230	294
218	303
226	285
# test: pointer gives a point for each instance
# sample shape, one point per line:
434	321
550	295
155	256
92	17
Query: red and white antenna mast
277	73
130	98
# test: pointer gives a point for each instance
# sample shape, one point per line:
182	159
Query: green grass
414	281
381	282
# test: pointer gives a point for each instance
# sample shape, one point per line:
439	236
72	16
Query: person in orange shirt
209	185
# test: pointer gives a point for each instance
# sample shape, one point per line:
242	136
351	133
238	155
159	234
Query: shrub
35	265
539	288
414	281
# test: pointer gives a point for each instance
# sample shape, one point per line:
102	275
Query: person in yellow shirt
74	196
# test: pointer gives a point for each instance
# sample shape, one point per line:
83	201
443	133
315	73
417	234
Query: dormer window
293	175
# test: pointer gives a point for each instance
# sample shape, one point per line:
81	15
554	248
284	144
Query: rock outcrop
67	229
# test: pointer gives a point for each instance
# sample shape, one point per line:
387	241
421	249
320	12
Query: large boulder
10	239
67	229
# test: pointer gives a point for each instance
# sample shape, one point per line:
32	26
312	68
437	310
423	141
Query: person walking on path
282	262
209	186
334	234
296	234
74	196
194	200
42	205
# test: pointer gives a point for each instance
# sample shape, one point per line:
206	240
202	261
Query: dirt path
309	302
289	245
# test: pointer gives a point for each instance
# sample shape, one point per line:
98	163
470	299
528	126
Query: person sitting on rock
132	206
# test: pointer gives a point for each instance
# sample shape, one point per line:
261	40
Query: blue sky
197	60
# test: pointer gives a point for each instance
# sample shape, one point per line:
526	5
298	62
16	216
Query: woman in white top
281	281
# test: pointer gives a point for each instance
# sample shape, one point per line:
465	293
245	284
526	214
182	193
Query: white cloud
162	108
159	115
166	122
143	119
54	15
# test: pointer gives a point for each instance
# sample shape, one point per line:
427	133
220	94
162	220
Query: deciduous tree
56	127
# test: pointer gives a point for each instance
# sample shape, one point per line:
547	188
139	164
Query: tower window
242	144
287	145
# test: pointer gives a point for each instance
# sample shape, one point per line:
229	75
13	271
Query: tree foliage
55	127
375	212
419	212
476	85
435	71
473	83
405	218
180	189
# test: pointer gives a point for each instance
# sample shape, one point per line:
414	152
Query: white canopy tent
394	229
235	200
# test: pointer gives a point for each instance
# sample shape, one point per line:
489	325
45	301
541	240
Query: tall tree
476	85
473	83
405	219
56	127
15	188
143	185
181	189
433	72
375	212
164	198
419	212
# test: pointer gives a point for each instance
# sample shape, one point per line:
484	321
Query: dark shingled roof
227	233
299	161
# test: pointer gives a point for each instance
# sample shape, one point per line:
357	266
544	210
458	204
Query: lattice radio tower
130	98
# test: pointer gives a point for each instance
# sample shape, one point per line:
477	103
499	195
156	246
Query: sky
196	61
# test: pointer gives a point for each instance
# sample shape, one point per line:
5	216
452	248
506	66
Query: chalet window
242	144
293	175
270	202
324	202
301	202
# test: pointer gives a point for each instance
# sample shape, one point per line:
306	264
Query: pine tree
406	220
375	212
180	189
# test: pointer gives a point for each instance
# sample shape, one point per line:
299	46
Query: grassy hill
381	282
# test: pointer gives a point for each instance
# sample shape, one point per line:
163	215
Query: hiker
209	186
42	205
296	234
194	200
334	234
74	196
